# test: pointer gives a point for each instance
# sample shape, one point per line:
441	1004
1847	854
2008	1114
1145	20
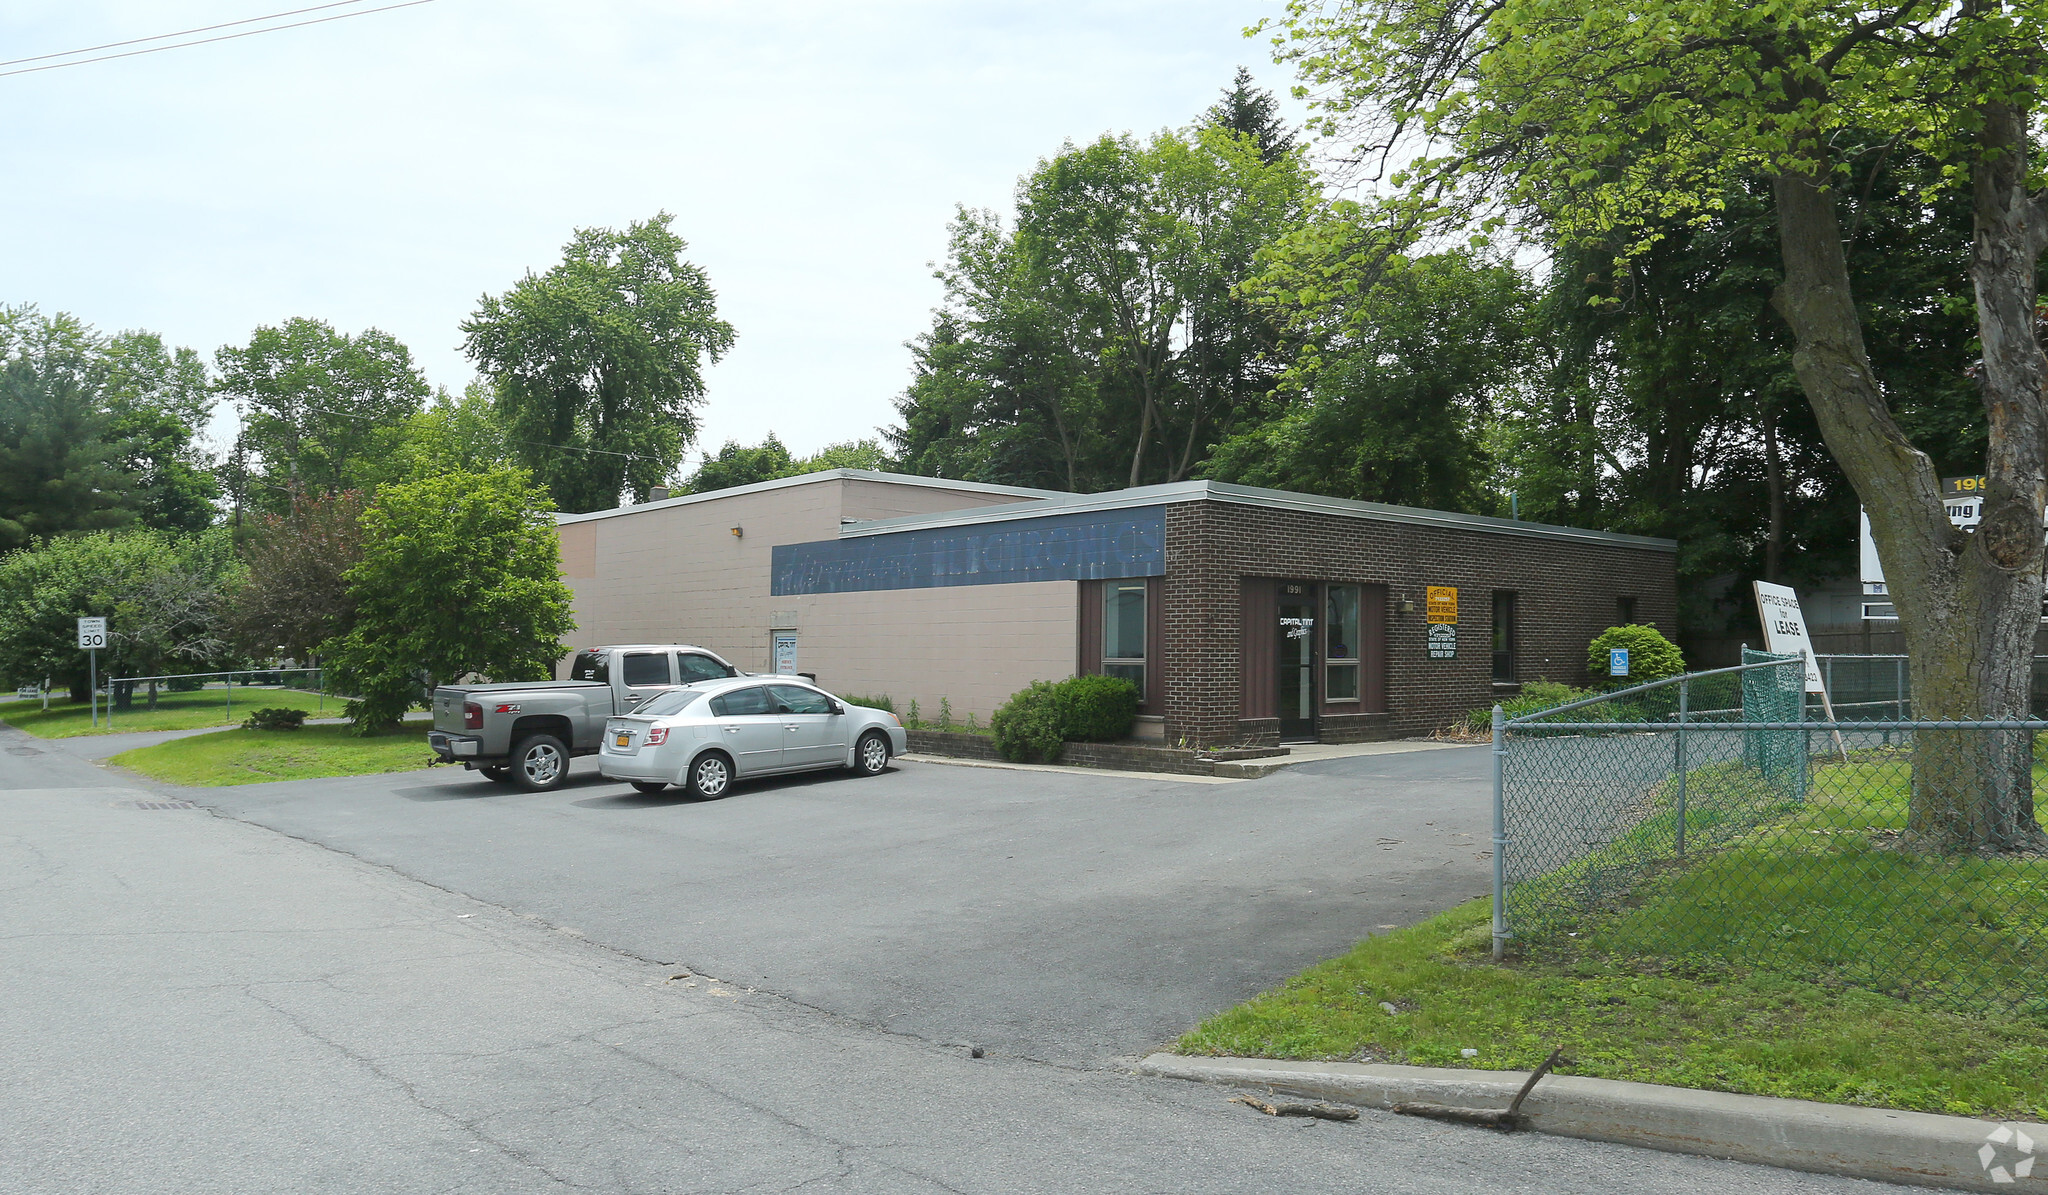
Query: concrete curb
1874	1143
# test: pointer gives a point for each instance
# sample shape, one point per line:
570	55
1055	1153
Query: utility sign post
92	635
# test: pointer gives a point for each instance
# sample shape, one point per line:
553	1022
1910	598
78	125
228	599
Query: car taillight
472	716
657	736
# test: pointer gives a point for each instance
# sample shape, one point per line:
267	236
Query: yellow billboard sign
1443	603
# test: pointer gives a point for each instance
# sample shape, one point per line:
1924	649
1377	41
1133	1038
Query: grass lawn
1799	958
261	756
174	711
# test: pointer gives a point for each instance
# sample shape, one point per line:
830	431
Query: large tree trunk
1968	604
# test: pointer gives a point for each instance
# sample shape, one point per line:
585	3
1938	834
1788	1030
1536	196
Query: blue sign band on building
1073	547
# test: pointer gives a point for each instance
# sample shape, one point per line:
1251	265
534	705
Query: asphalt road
423	983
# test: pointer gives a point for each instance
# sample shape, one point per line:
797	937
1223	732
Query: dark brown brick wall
1566	590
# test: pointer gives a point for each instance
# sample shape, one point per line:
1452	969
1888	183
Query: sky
386	171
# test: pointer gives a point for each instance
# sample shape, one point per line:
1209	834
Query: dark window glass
695	667
1504	637
796	699
590	664
674	701
1624	611
646	668
741	702
1341	650
1123	631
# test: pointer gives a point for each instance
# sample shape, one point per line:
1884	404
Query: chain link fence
1710	820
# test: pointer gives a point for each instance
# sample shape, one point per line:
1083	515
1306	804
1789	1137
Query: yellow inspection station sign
1443	603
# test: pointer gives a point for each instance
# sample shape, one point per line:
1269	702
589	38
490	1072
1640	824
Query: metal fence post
1684	697
1500	836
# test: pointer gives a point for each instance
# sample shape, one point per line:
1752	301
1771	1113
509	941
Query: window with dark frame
646	668
1503	637
1624	611
1340	645
1123	632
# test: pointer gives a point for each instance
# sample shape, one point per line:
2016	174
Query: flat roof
1244	495
780	483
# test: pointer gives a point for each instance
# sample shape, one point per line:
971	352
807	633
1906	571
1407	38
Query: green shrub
1096	709
275	720
1650	655
878	702
1027	726
1538	695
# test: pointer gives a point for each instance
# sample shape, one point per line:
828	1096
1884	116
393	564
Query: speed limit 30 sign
92	633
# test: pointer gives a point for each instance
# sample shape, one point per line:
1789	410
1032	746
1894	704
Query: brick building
1243	615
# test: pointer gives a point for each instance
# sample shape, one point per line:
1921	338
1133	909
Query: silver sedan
703	736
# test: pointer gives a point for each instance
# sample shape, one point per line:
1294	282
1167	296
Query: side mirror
838	708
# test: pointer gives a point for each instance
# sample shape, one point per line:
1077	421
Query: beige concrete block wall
971	644
676	573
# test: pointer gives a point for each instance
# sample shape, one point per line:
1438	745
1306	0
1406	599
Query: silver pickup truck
525	734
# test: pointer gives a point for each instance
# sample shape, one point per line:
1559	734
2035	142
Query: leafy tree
735	464
160	594
157	399
460	575
598	362
1396	385
295	596
1609	125
452	434
171	612
320	408
1100	339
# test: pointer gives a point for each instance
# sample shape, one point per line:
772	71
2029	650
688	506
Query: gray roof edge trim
1244	495
823	475
1060	504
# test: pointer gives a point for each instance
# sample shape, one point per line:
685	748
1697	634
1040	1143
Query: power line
136	41
29	70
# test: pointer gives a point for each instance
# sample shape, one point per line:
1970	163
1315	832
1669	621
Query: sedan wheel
540	763
650	787
872	756
710	776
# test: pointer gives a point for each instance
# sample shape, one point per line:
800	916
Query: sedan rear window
672	701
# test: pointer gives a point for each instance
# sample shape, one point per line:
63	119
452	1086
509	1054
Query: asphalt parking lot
1077	919
424	983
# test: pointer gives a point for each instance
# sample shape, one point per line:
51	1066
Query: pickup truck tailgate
448	710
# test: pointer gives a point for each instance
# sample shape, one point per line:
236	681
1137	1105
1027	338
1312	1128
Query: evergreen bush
1096	709
1027	726
275	720
1650	655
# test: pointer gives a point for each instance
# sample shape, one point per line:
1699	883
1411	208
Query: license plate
623	740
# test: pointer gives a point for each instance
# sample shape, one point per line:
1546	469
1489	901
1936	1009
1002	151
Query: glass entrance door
1297	657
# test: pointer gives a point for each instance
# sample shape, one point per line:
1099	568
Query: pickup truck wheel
871	756
710	776
540	763
501	775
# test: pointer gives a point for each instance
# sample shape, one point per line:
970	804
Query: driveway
1076	919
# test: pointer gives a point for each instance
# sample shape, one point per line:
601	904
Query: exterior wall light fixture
738	532
1406	605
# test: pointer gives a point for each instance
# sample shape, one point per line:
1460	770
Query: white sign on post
92	634
1785	629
